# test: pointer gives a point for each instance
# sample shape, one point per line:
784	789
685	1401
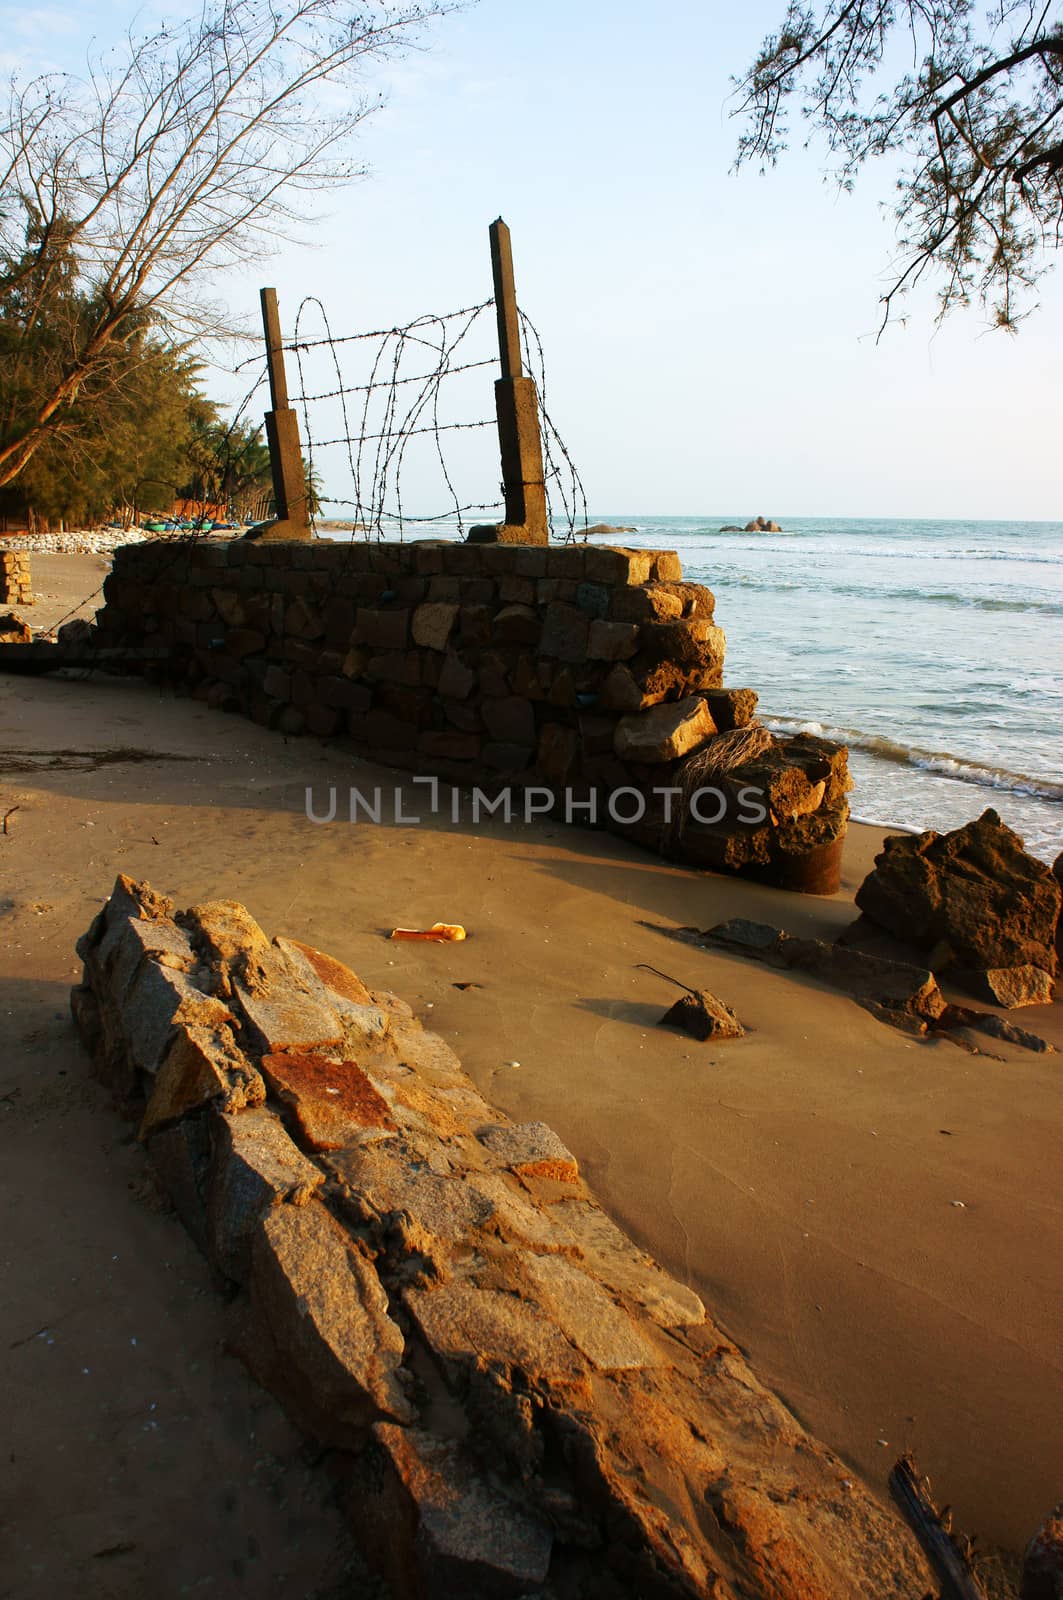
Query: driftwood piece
912	1495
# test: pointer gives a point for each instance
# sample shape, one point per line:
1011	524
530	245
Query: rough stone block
596	1325
432	625
158	1001
612	641
456	680
517	624
565	632
395	1178
180	1158
664	733
387	630
457	1320
731	708
531	1149
461	1536
254	1166
510	719
277	683
619	566
336	1350
612	1257
200	1066
557	753
329	1100
313	967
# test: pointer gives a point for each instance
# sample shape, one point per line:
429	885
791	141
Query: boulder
972	899
663	733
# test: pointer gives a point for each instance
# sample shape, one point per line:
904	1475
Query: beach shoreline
802	1180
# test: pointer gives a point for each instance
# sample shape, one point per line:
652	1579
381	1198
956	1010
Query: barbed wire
382	417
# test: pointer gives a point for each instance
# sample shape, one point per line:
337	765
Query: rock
531	1149
663	733
156	1003
995	1027
1042	1567
972	899
1057	873
596	1325
449	1533
329	1100
620	1264
78	632
731	708
1009	986
309	964
601	528
458	1319
905	996
732	527
432	624
286	1018
330	1346
13	630
180	1158
255	1166
703	1016
201	1066
383	1180
752	527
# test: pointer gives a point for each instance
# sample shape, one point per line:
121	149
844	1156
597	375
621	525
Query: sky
710	337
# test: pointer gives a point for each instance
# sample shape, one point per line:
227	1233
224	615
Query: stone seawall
593	674
515	1399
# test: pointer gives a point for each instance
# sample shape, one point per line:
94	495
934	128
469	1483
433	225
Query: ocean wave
860	591
962	768
894	550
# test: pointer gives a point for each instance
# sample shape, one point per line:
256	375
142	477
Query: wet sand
802	1179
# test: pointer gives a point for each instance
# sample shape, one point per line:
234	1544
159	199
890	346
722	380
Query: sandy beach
803	1180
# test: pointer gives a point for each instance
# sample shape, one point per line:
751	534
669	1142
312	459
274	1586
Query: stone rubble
974	904
518	1400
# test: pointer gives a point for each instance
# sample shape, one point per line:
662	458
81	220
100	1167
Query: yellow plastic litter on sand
438	933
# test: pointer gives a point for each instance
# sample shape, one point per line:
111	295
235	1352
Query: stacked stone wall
16	587
593	674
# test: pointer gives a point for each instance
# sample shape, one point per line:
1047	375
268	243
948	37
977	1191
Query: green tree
971	103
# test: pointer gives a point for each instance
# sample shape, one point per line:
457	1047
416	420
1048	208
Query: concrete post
282	435
517	410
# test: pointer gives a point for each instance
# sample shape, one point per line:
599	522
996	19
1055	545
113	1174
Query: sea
933	649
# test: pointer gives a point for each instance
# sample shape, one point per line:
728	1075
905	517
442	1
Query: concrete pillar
292	520
517	410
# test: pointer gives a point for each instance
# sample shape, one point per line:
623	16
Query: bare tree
972	102
181	151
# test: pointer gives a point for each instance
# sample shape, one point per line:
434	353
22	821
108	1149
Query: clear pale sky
710	338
